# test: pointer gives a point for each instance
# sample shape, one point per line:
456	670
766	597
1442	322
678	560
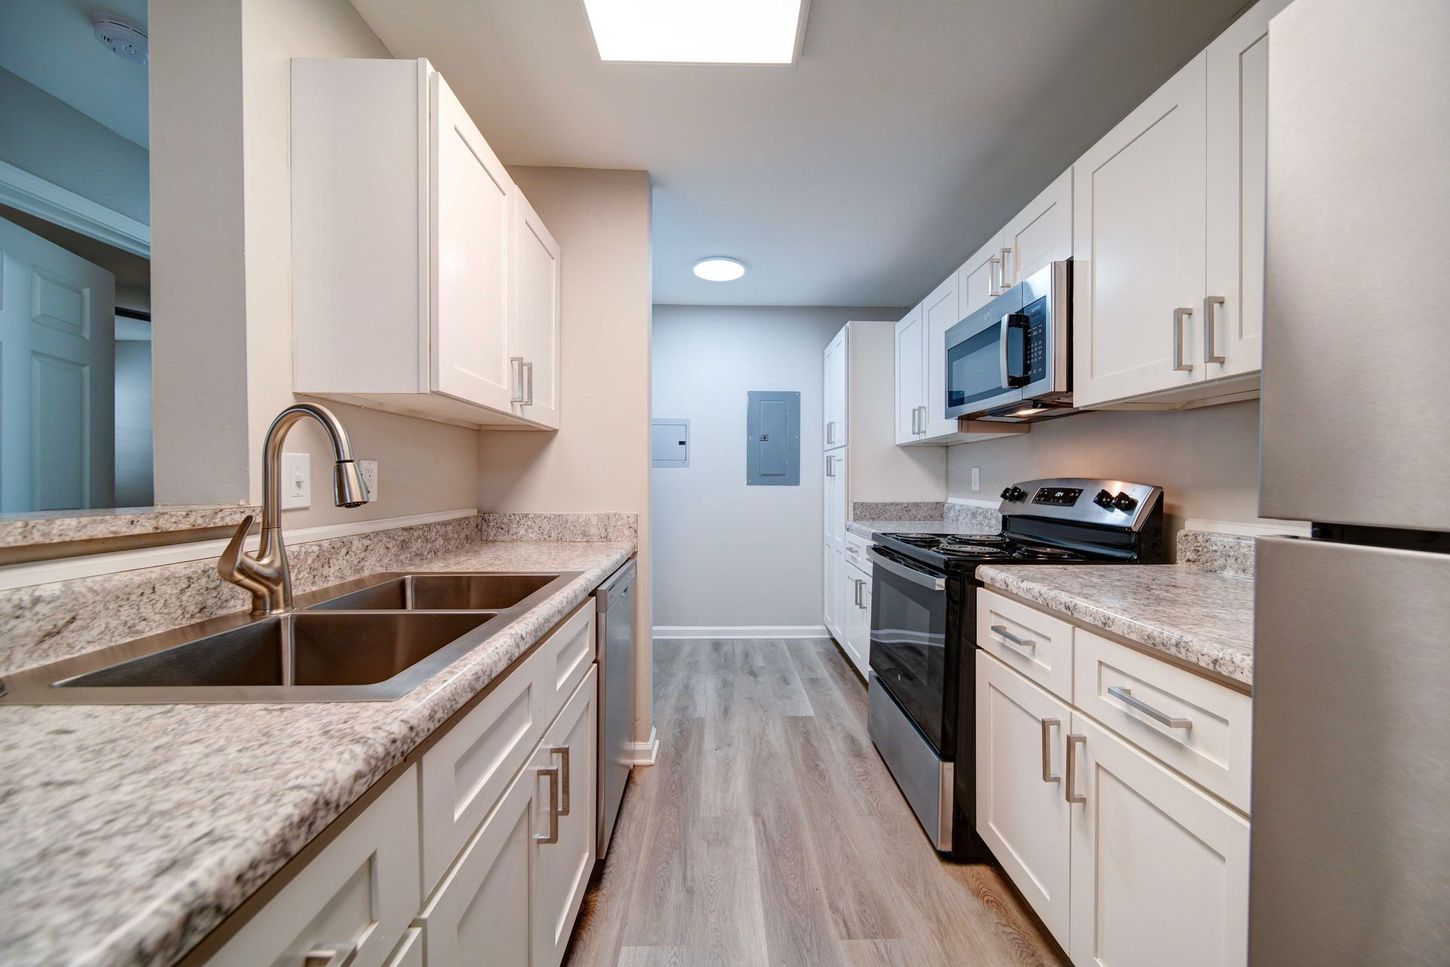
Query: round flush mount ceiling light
718	268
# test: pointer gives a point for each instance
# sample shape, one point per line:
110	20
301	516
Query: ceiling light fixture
698	31
718	268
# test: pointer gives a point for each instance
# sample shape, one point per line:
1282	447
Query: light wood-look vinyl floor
769	832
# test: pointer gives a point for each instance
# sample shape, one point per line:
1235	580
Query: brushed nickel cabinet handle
1006	254
1070	792
1002	632
330	955
1125	696
1047	725
830	465
529	373
1178	364
516	377
831	431
552	836
1210	352
562	751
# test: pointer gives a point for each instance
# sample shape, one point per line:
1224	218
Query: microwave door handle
1002	327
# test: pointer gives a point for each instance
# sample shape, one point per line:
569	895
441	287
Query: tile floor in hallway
770	832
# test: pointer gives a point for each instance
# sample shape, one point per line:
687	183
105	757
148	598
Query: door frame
60	206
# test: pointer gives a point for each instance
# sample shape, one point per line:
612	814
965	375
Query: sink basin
441	592
371	639
296	649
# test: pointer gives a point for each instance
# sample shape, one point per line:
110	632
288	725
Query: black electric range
923	629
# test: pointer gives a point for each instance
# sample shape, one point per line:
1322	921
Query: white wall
134	485
725	553
1206	460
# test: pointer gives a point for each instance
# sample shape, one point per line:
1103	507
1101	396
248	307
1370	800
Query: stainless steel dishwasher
614	601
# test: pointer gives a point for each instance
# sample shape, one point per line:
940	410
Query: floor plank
770	833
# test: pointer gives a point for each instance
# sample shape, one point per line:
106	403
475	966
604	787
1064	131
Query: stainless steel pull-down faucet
265	573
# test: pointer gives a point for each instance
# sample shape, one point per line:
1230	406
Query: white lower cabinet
1160	869
856	623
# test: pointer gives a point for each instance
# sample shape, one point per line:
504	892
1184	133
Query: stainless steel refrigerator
1350	859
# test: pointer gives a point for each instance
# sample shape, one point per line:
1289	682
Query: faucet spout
265	574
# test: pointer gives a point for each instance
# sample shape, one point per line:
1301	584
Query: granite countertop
131	831
1198	617
58	527
869	528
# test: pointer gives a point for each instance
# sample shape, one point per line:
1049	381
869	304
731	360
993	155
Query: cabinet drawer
360	892
1207	732
856	552
1026	640
566	656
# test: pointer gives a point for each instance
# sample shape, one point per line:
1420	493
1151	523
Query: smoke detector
124	39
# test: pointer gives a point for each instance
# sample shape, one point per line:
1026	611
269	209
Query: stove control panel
1057	496
1116	504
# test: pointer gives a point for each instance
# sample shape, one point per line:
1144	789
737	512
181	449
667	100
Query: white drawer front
360	891
467	770
856	552
1026	640
566	656
1207	732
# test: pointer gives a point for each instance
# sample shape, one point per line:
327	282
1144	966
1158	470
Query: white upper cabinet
422	281
910	377
1138	247
940	312
1040	234
833	397
534	353
981	277
471	223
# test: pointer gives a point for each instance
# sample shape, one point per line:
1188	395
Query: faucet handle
229	565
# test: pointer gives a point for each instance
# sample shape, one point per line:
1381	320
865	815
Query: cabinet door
562	872
1160	870
472	230
856	603
980	278
1022	814
834	566
940	312
1138	248
834	513
833	396
910	377
535	352
1040	234
1238	105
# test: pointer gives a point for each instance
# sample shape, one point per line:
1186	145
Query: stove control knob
1104	500
1007	493
1125	501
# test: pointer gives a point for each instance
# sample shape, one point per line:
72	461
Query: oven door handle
920	578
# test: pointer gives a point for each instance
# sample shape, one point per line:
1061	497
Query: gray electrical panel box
773	439
669	443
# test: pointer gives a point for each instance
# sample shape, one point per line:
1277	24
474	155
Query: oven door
909	641
985	357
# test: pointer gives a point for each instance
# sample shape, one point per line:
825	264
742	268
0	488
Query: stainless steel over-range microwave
1010	359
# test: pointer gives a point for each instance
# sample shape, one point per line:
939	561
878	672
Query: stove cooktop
958	551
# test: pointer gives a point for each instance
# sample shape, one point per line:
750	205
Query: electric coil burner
923	629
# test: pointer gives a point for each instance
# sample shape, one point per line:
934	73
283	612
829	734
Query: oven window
908	648
974	367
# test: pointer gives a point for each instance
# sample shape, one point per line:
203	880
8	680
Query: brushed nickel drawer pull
1210	352
1002	632
1178	364
1047	725
562	751
1137	704
1070	792
552	836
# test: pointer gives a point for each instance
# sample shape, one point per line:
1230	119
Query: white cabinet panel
534	351
833	396
409	952
1138	247
565	657
1160	870
910	377
360	891
1040	234
472	226
940	312
835	577
980	279
1035	644
1022	814
856	637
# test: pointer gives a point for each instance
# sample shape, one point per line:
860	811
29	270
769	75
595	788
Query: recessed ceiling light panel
717	268
698	31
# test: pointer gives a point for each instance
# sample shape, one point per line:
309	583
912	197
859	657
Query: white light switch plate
369	471
296	481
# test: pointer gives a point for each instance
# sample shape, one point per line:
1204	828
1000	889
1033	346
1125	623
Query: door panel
910	376
978	281
833	398
57	377
536	316
1138	247
472	222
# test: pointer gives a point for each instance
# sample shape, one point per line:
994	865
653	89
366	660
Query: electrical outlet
296	481
369	471
976	478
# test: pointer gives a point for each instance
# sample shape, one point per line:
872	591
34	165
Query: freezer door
1356	383
1350	837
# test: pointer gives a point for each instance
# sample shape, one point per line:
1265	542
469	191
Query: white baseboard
740	631
644	753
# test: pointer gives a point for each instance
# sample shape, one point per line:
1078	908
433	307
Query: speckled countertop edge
47	527
1202	618
133	831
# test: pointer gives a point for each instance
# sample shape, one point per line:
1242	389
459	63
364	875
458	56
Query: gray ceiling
908	133
52	44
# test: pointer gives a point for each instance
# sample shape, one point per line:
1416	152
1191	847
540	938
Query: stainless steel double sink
371	639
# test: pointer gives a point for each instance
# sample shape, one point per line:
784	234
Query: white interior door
57	376
1022	813
1138	247
910	376
1238	154
537	315
1160	870
472	227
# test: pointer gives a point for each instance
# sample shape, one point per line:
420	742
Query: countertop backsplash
1219	553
